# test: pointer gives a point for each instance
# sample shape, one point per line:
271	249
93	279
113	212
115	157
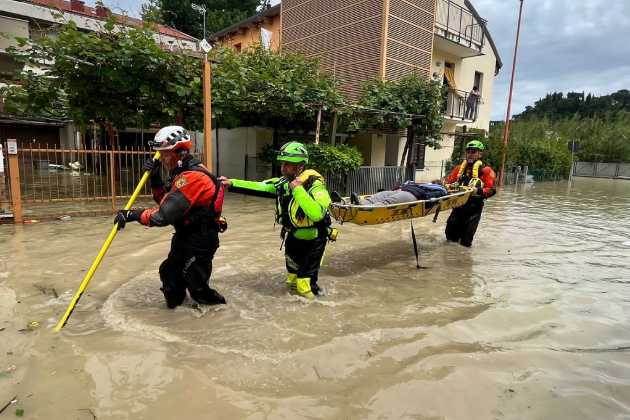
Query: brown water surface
533	322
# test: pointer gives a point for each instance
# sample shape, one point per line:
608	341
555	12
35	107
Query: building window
449	75
479	81
237	47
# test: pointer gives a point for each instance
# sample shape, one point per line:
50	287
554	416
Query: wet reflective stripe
475	171
304	287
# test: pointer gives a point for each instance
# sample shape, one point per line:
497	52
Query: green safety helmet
293	152
475	144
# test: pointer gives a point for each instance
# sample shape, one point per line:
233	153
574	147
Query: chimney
76	5
102	11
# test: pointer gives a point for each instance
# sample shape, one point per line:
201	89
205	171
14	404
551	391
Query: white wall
379	147
13	28
435	159
485	64
234	145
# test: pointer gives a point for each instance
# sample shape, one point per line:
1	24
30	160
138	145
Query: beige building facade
250	32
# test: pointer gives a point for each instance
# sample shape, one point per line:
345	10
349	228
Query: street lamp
506	132
207	93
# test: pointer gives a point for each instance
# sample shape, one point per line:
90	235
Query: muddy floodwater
533	322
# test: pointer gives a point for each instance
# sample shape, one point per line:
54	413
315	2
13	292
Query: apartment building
360	40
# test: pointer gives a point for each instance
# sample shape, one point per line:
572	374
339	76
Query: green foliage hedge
324	157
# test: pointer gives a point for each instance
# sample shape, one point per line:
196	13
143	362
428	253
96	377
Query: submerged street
532	322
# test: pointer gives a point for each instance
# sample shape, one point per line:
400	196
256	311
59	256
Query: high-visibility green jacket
303	211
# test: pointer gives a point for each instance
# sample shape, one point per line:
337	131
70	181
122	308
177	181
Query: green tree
536	144
151	12
180	14
121	78
411	103
278	90
322	157
333	159
118	77
557	105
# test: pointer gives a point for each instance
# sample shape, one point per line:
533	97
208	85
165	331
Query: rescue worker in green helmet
302	202
472	172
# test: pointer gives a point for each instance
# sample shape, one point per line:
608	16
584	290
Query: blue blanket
424	191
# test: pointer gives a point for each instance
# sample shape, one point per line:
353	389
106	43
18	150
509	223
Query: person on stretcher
407	192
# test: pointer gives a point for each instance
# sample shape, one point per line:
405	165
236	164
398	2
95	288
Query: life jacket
473	179
202	217
290	215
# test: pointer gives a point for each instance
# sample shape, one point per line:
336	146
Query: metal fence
602	170
56	181
57	174
368	179
456	106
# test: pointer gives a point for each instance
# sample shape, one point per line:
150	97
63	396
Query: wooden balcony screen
347	37
409	38
344	34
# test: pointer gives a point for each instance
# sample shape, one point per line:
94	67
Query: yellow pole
88	276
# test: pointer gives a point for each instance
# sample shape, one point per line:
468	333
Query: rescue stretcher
377	214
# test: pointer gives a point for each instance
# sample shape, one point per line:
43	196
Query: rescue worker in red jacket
463	221
191	201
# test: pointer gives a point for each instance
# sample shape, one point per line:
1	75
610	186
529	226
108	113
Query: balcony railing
459	25
459	105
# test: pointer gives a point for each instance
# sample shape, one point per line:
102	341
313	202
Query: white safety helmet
172	137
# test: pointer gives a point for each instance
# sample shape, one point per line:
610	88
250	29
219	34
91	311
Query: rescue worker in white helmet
302	202
191	201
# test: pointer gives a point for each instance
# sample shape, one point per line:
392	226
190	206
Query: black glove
153	166
223	224
124	216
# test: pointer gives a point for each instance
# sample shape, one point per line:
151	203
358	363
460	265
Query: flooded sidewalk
530	323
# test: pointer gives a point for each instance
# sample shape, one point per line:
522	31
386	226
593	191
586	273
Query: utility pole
506	132
207	114
207	94
572	160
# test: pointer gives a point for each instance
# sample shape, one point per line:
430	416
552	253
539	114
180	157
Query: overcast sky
565	45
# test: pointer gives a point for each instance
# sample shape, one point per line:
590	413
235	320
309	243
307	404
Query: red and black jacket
192	198
486	175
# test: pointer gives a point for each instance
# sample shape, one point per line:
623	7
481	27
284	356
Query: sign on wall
12	147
